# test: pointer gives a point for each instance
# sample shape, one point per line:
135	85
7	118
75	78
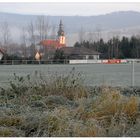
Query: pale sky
67	9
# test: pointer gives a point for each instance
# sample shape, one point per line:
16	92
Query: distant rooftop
79	50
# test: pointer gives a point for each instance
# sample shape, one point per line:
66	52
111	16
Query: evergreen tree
115	47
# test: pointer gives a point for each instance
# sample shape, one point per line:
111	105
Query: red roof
51	43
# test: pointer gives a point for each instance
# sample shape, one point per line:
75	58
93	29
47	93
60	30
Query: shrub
11	121
10	132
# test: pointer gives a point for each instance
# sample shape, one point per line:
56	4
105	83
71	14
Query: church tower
61	35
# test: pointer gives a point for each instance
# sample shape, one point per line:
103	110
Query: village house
1	54
80	53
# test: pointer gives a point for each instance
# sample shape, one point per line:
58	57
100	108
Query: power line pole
133	74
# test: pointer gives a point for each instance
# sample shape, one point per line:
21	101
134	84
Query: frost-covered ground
63	106
94	74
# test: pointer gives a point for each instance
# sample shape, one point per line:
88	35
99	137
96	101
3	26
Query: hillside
122	21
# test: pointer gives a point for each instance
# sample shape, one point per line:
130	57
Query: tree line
114	47
29	36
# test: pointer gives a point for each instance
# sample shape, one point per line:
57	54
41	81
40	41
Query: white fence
78	61
85	61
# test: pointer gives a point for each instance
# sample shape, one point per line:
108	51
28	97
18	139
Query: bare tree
81	35
98	30
97	35
115	44
43	27
5	34
24	41
91	37
31	32
32	39
53	31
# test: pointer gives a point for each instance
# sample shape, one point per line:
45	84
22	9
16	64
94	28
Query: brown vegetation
62	106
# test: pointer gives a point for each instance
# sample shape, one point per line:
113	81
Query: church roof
79	51
49	43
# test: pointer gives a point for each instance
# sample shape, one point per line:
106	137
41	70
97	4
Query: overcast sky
84	9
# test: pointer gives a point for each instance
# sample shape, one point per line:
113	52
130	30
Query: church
56	43
49	46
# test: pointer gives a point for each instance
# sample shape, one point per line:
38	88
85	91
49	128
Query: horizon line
37	14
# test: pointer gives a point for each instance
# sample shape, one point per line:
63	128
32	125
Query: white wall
1	55
84	61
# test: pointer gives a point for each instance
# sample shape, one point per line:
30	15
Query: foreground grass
61	106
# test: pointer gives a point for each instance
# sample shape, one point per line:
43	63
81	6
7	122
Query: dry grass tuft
11	121
131	108
111	102
5	132
10	132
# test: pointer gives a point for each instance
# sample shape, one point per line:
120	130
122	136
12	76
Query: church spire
61	36
61	30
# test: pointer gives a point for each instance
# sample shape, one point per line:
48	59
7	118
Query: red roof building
56	43
51	43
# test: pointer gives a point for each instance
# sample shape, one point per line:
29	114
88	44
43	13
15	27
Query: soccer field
94	74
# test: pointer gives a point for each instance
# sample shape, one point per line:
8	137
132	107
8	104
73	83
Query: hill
124	22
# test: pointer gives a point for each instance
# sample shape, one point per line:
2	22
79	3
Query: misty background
123	23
